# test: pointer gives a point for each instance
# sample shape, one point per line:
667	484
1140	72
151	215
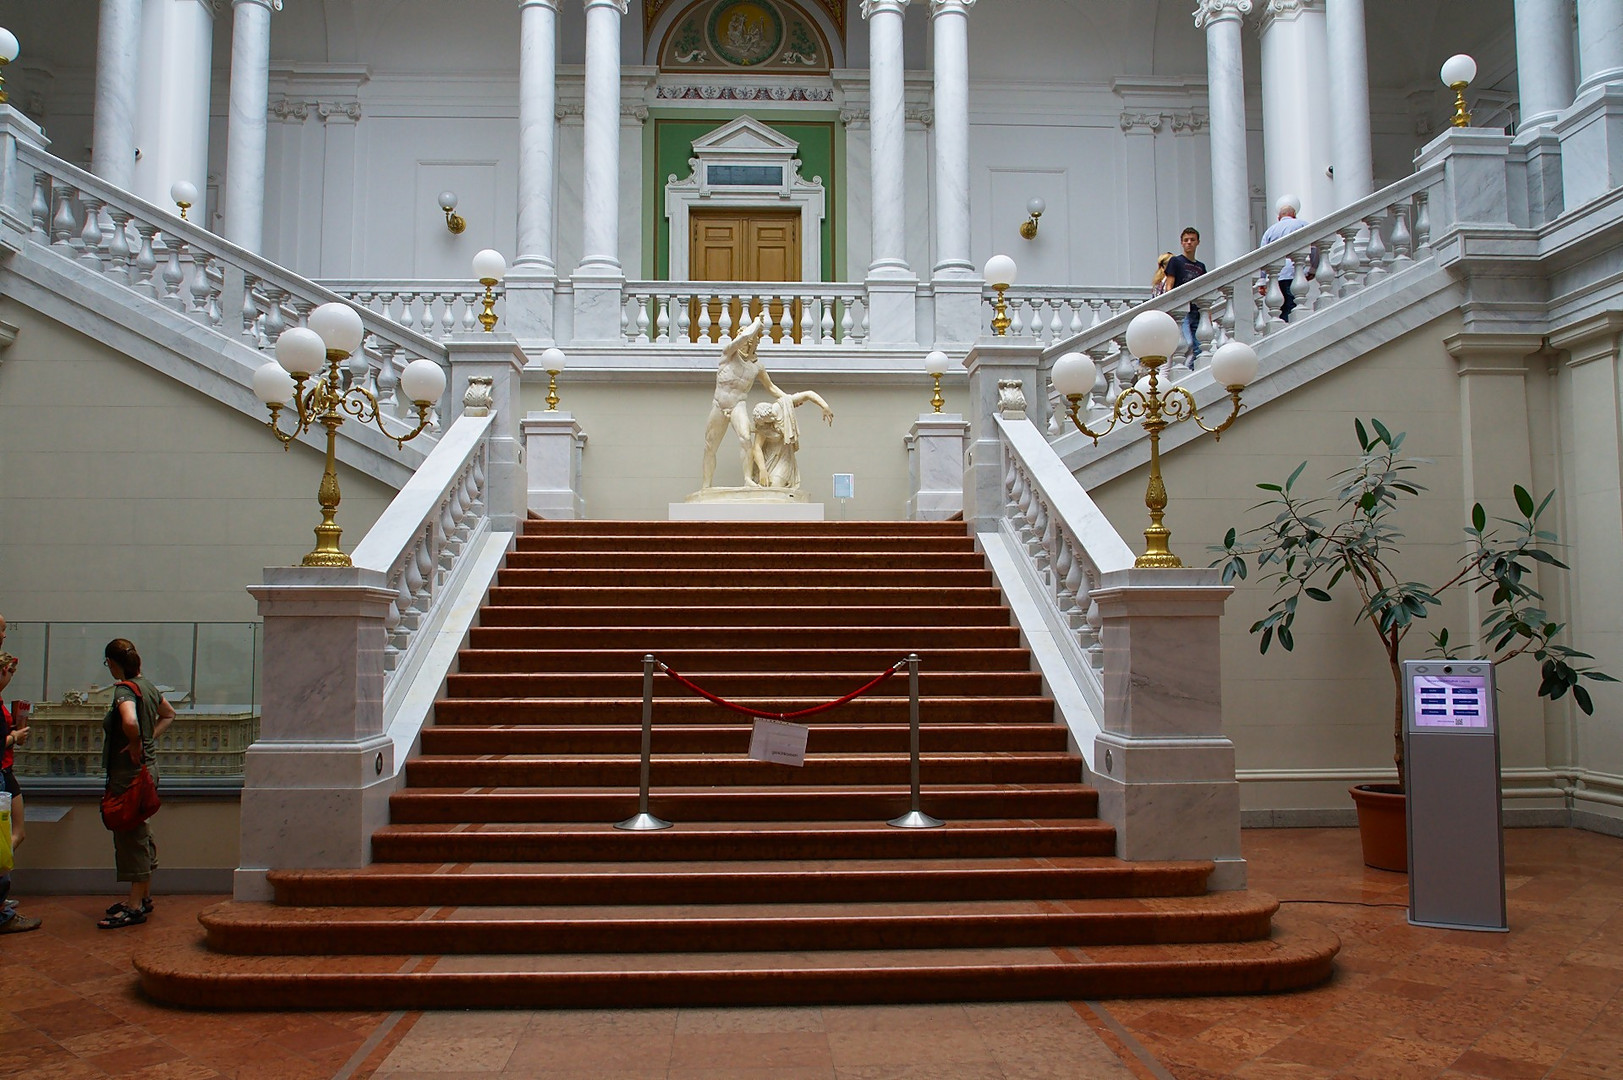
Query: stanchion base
916	819
643	823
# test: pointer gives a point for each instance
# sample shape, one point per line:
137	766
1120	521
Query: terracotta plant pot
1382	827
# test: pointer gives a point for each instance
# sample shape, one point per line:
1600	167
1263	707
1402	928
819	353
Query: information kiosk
1456	828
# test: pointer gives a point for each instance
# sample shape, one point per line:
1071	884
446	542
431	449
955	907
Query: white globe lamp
1152	336
1234	366
423	381
340	327
300	351
553	361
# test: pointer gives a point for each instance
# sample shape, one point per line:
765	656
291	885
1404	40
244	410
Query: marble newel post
892	286
1162	765
1225	87
554	446
172	91
956	284
118	49
1296	105
247	123
1351	154
935	466
599	278
498	358
990	362
532	281
1591	131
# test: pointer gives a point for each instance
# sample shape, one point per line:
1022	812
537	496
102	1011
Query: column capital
1286	10
1208	12
870	8
622	6
268	5
950	7
551	5
1493	353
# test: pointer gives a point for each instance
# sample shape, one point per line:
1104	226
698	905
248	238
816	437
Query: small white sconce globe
936	363
300	351
184	194
273	385
1035	207
553	360
1152	334
8	46
1234	365
1458	70
423	381
489	267
1000	271
1073	375
339	326
447	201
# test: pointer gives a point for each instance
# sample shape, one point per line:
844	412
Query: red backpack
136	803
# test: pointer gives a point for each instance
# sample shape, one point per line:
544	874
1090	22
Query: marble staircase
500	881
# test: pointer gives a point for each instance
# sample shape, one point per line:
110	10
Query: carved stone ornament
480	396
1148	121
1191	121
1011	399
1210	11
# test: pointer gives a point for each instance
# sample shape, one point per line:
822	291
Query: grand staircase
500	880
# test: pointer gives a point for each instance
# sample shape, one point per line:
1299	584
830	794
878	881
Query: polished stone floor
1544	1001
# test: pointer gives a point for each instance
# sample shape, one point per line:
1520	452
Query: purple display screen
1451	701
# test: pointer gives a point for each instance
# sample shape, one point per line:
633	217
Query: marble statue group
768	435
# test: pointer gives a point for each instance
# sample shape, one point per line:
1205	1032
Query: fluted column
1543	60
248	121
1600	43
538	131
1225	83
118	48
600	228
1296	105
957	284
1350	153
172	85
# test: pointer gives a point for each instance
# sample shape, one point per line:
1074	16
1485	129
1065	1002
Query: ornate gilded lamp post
489	268
935	366
1458	71
8	52
553	360
1000	273
335	333
1152	337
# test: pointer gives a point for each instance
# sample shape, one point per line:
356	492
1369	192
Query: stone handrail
808	313
1357	246
434	308
422	541
210	280
1051	313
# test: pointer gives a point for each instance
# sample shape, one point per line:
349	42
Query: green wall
669	136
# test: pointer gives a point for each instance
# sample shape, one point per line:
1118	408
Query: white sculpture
768	435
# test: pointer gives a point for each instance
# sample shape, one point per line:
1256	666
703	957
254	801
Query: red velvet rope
747	711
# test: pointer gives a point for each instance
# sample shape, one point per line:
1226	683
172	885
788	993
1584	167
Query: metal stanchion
914	818
642	820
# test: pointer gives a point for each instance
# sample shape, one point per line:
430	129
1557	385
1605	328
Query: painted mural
755	36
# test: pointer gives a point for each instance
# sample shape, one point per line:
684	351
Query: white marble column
891	282
1296	105
118	50
1600	43
600	227
1543	60
248	122
172	89
1350	153
537	131
957	285
1225	85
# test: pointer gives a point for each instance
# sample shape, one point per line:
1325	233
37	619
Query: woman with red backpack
130	730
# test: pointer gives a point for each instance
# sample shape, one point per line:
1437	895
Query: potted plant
1315	544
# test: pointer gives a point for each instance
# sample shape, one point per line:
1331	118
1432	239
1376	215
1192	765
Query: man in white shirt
1286	223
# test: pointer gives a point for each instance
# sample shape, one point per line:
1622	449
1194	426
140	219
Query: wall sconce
453	220
935	366
1035	208
1458	71
1152	337
489	267
999	273
553	360
8	52
184	192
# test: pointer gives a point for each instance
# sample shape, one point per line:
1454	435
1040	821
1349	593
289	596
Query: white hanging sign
779	741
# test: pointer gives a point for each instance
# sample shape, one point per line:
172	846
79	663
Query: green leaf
1317	594
1228	539
1581	696
1296	473
1270	487
1479	518
1363	436
1267	639
1524	501
1545	503
1380	430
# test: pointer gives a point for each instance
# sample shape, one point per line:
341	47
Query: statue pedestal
746	504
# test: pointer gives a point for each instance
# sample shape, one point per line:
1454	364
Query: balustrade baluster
1301	287
862	327
250	313
448	316
386	377
213	274
64	226
39	209
386	306
825	320
1017	324
90	234
1097	307
643	320
1324	275
1076	326
1223	317
808	326
1056	328
1375	249
1361	245
786	318
684	318
391	627
275	320
426	325
1352	280
1422	225
1100	355
146	262
848	321
1273	300
705	322
173	275
1075	605
726	318
1205	333
662	320
118	246
1402	239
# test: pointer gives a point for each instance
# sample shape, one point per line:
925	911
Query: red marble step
693	661
709	804
781	547
1293	957
779	599
509	633
729	529
696	710
734	738
735	684
649	554
767	616
552	770
268	930
601	842
748	882
723	576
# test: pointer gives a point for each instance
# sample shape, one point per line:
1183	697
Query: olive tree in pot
1315	544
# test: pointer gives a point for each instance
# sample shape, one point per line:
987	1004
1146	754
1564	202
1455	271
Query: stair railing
1242	300
179	264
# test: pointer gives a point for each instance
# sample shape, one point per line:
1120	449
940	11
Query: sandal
124	916
146	906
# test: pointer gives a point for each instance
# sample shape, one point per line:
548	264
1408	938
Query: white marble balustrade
1051	313
217	284
806	313
434	309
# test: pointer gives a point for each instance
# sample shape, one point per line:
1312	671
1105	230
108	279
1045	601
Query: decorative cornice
1211	11
711	92
298	110
871	7
1132	121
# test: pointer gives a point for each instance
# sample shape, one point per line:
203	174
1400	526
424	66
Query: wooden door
744	245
